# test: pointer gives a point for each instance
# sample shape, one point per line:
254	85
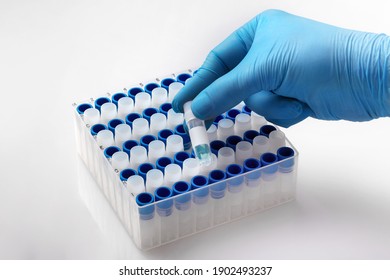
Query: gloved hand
287	68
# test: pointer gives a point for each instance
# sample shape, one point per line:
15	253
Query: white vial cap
158	122
225	129
212	133
108	112
225	157
174	145
135	184
122	133
244	150
142	101
156	150
173	89
174	119
191	168
257	121
260	145
159	96
140	128
105	138
138	155
120	160
125	107
172	174
242	124
91	116
154	180
277	139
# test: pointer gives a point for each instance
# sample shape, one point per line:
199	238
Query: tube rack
265	179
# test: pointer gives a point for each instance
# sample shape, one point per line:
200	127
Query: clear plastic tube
225	157
198	135
108	112
156	150
174	119
154	180
172	174
120	160
135	184
140	128
212	133
91	116
122	133
138	155
225	129
174	145
125	107
242	124
277	139
174	88
159	97
190	168
158	122
260	145
105	138
142	101
244	150
257	121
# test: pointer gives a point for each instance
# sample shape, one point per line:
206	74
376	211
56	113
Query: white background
53	53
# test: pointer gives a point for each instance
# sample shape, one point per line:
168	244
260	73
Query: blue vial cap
286	155
199	183
151	86
217	191
216	145
267	129
142	199
249	135
131	117
180	157
144	168
233	170
179	130
164	134
134	91
162	162
181	78
146	139
82	107
166	82
127	173
109	151
232	141
115	98
232	113
251	164
164	207
268	159
100	101
113	123
217	119
182	202
97	127
148	112
127	145
246	110
165	107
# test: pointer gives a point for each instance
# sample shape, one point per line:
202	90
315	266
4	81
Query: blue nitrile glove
287	68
